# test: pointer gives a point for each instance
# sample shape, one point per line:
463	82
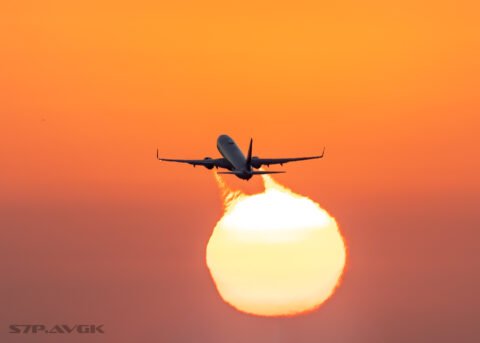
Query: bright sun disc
275	253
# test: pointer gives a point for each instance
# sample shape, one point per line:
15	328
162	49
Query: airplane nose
222	138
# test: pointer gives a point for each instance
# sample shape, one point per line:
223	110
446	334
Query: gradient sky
94	229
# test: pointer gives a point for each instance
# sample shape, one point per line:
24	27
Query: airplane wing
207	162
258	162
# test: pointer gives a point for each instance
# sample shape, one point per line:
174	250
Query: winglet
157	155
323	152
249	156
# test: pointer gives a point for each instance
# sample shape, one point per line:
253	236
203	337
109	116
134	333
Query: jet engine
208	166
255	164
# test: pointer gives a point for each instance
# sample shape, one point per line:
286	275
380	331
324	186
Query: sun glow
275	253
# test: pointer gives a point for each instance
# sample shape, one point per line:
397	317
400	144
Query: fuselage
230	151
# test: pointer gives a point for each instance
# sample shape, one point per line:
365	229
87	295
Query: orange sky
89	91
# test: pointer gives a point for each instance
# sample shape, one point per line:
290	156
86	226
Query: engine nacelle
208	166
255	164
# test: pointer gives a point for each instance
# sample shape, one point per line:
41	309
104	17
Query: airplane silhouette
234	160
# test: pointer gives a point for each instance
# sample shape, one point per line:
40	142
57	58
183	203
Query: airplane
234	160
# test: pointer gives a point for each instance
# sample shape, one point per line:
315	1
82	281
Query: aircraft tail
249	156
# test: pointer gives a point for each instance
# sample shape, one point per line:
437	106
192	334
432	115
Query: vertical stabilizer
249	156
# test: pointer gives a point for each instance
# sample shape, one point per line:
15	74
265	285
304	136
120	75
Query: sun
275	253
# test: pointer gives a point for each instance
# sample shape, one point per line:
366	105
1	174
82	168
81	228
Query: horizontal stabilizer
260	172
252	172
